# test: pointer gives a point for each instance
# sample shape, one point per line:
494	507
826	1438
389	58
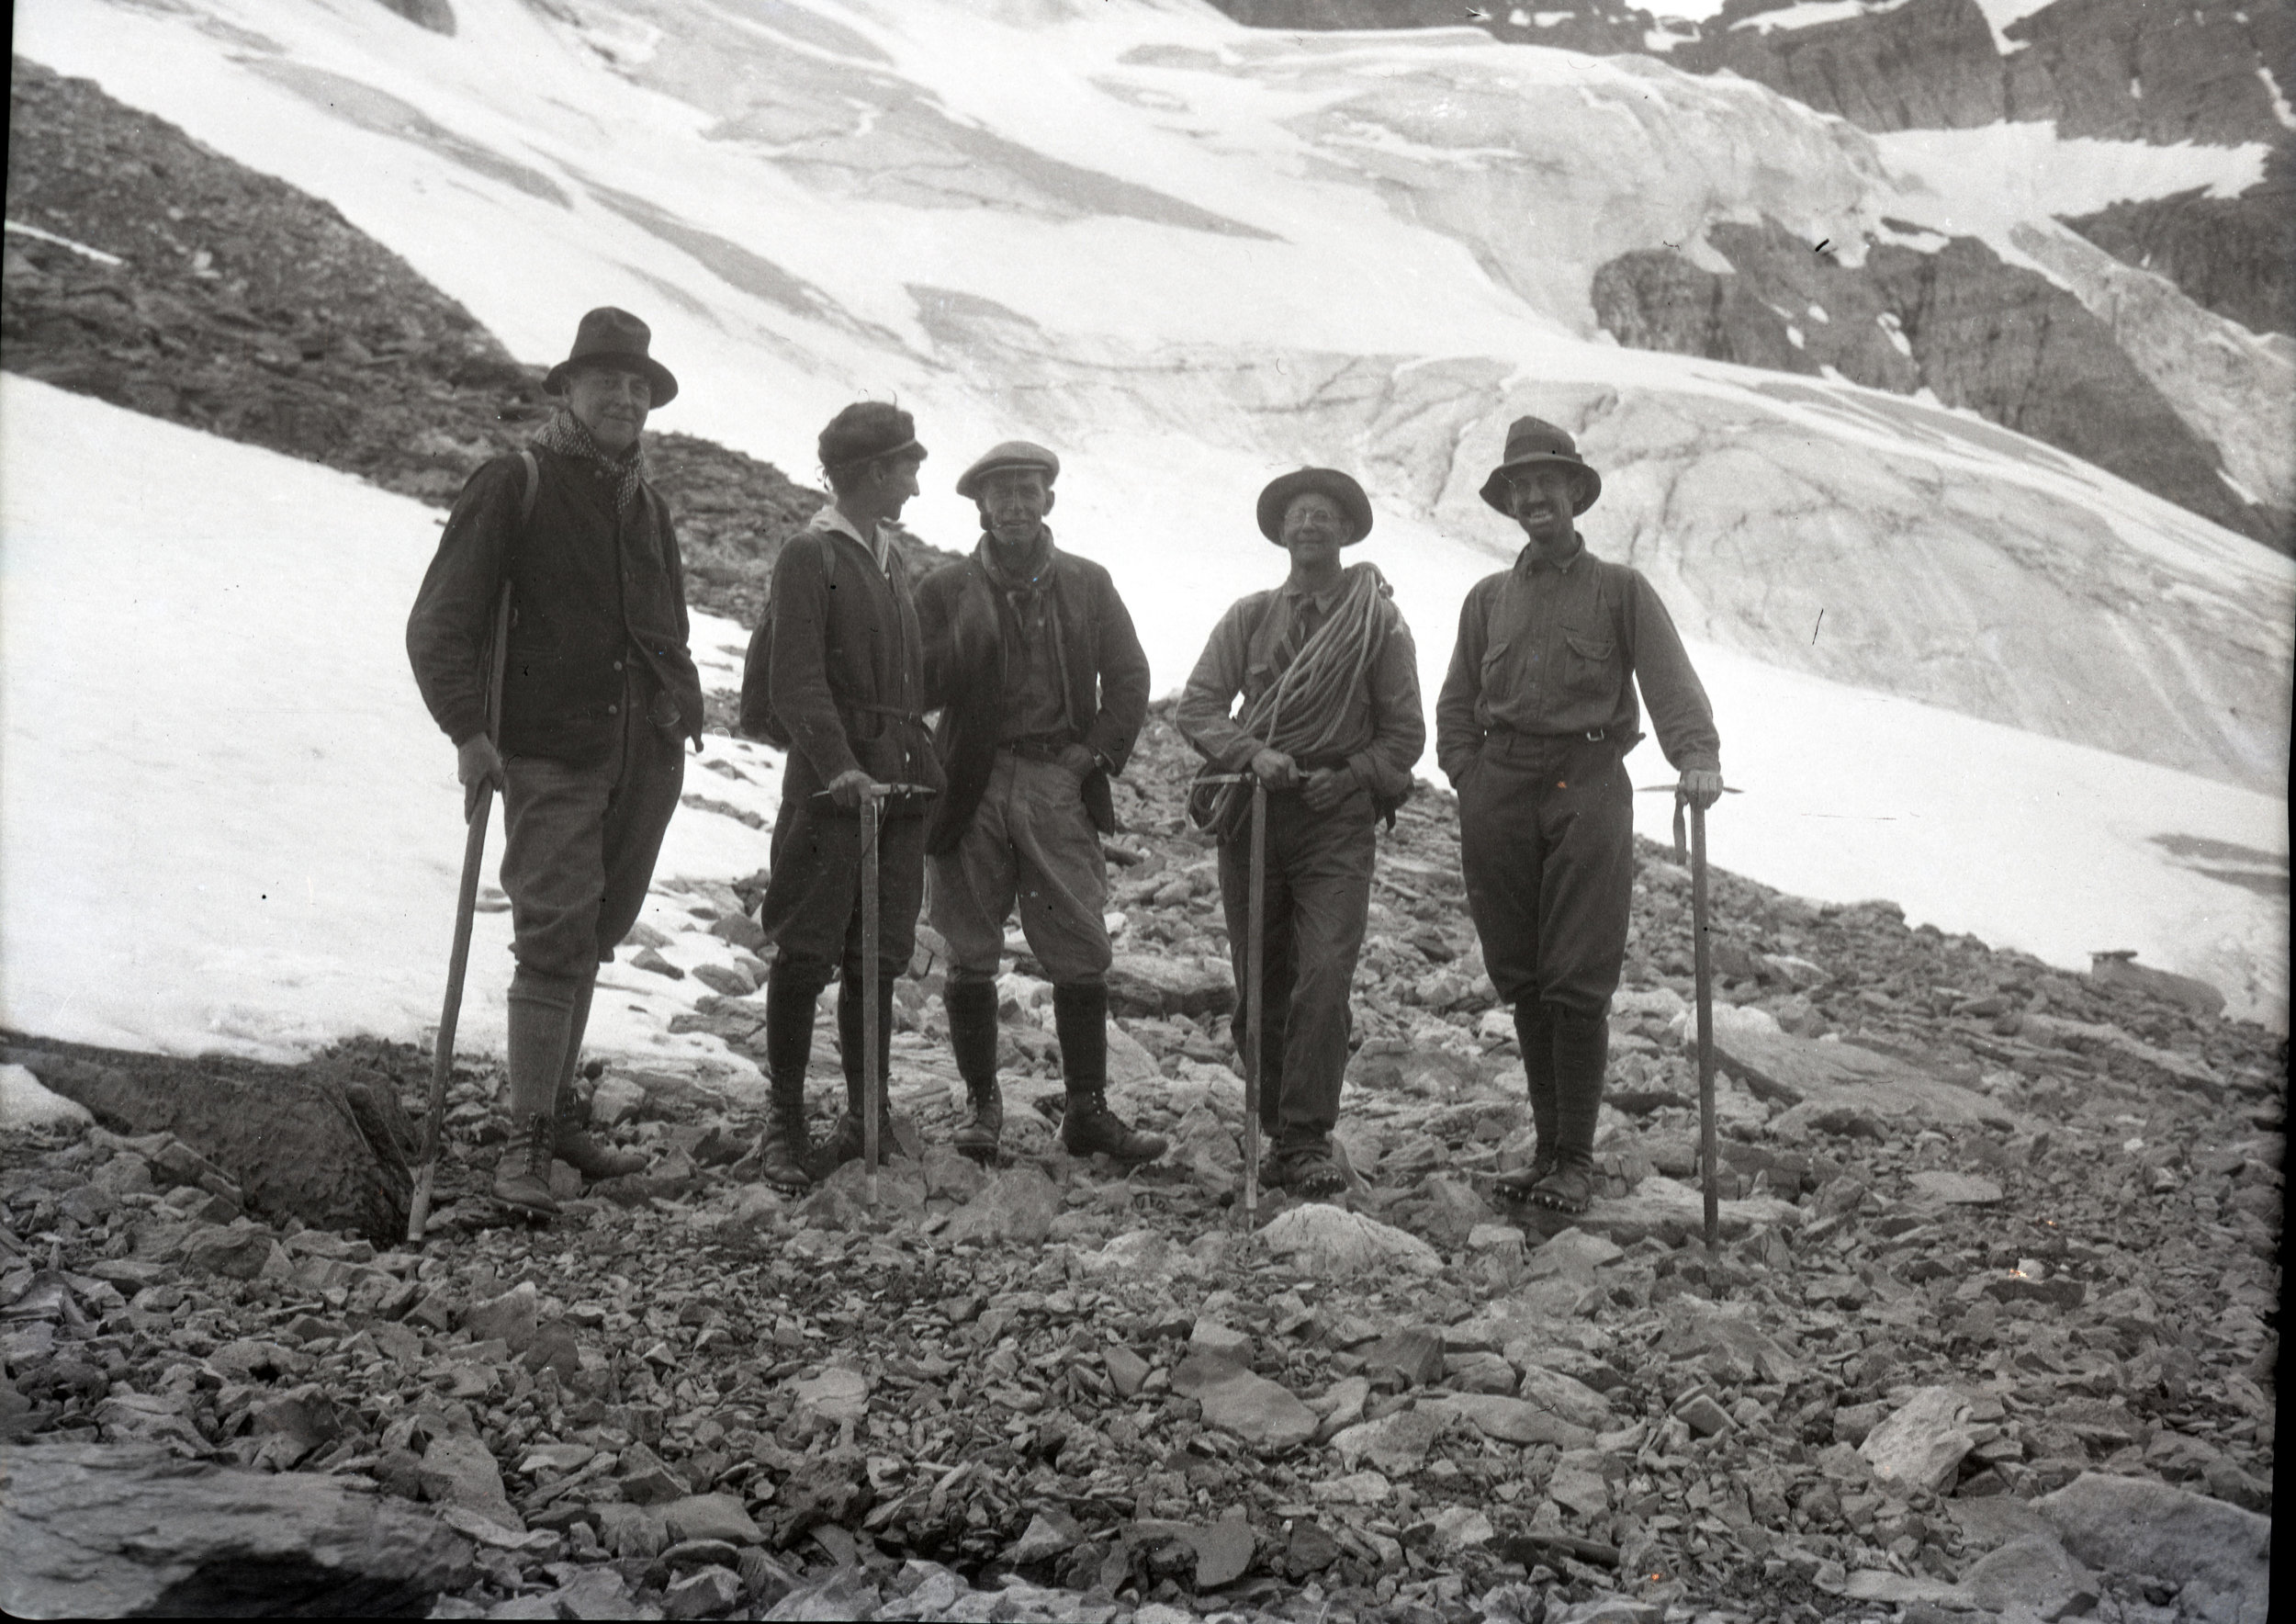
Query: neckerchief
1015	592
565	435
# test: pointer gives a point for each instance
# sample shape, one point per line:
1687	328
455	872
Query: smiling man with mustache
1536	713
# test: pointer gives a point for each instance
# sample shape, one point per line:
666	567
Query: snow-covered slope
1189	255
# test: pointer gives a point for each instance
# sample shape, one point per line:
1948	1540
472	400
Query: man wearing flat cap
838	664
1331	725
599	695
1535	713
1042	688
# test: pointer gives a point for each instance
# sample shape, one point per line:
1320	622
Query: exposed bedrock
2001	340
2234	255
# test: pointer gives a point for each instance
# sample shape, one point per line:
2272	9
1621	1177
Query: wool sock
1581	1050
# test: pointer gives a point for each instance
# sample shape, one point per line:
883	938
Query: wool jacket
596	596
848	674
1558	648
1105	675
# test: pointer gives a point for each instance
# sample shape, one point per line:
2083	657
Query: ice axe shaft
1702	960
474	849
1255	975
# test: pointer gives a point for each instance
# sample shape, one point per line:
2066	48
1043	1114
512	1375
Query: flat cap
1010	453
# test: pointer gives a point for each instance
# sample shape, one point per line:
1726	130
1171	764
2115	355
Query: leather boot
1582	1052
1534	1031
541	1011
846	1141
572	1144
971	1007
1080	1016
781	1151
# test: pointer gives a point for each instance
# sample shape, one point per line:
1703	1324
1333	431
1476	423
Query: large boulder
2127	1525
325	1142
98	1531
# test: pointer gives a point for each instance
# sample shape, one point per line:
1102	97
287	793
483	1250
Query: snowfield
1952	666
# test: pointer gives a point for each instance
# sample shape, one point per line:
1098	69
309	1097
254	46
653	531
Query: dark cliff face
2001	340
1929	64
2234	255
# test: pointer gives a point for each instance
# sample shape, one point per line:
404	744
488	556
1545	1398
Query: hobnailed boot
1535	1033
846	1141
782	1149
1080	1016
521	1178
971	1007
571	1143
541	1010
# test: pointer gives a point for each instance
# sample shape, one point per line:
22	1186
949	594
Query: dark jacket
847	675
592	599
1104	667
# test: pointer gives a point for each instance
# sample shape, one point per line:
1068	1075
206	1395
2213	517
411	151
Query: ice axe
1254	973
474	848
872	814
1702	963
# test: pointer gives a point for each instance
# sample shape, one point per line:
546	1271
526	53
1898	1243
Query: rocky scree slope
1976	1316
226	300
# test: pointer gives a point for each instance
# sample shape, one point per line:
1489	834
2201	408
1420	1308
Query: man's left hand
1700	787
1078	759
1327	787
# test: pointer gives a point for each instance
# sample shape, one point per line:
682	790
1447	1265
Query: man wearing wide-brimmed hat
1330	724
1042	688
844	678
599	695
1535	713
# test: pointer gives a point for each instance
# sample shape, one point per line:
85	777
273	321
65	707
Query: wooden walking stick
474	848
1254	976
873	820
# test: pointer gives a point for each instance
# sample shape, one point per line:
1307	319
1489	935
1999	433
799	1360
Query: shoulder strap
534	486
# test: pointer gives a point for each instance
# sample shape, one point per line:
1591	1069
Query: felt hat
1534	443
865	430
1011	454
1331	482
609	337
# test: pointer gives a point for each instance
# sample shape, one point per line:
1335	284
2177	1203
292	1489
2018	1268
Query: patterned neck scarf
565	435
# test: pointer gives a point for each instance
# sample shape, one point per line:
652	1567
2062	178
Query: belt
1592	735
1035	750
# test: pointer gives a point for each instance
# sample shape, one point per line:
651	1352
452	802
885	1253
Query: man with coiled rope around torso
1330	724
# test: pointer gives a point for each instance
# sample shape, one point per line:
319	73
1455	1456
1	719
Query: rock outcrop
2003	341
2234	255
95	1530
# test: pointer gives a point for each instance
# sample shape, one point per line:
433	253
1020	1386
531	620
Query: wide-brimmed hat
609	337
1010	453
865	430
1534	442
1330	482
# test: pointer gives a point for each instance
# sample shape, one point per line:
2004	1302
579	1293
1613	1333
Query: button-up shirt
1556	646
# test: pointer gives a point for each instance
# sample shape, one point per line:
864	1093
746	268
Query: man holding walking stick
1537	711
836	670
1330	726
598	695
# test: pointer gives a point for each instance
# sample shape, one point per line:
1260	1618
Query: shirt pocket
1590	663
1495	665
